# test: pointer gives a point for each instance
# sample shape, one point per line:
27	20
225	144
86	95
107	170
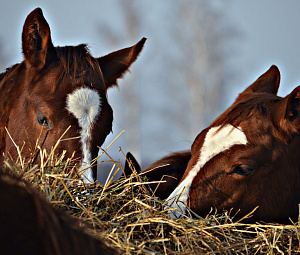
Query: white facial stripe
85	105
214	143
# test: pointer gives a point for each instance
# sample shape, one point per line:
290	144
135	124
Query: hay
130	219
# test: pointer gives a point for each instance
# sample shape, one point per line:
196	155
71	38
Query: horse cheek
16	133
201	197
215	192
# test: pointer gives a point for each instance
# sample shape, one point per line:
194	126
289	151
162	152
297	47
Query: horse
58	97
31	225
247	159
161	176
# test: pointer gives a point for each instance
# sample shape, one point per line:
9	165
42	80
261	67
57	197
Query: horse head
58	97
248	157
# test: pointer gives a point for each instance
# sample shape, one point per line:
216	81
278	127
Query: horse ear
130	164
115	64
292	108
267	82
36	39
287	113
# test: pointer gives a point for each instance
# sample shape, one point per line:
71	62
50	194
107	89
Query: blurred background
199	55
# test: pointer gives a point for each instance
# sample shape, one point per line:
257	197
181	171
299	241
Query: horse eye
43	121
242	170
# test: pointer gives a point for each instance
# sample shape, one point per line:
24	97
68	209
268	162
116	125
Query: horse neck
295	151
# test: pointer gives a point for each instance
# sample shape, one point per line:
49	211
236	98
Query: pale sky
271	31
270	34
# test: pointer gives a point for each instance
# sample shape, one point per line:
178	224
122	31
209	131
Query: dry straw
132	220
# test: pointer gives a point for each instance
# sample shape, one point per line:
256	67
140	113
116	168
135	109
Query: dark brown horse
248	157
163	175
58	89
30	225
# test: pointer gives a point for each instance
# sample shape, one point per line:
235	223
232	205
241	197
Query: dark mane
76	61
246	107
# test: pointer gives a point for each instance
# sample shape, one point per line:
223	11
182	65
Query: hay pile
129	218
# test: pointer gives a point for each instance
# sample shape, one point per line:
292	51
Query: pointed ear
36	39
115	64
287	113
130	164
267	82
292	108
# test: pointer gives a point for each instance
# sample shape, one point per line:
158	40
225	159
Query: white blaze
215	142
85	105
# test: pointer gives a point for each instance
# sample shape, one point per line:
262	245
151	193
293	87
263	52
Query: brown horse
164	175
30	225
58	89
248	157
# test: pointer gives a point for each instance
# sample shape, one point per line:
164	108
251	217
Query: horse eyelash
43	121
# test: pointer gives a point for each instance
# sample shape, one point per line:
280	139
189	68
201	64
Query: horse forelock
77	63
258	104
